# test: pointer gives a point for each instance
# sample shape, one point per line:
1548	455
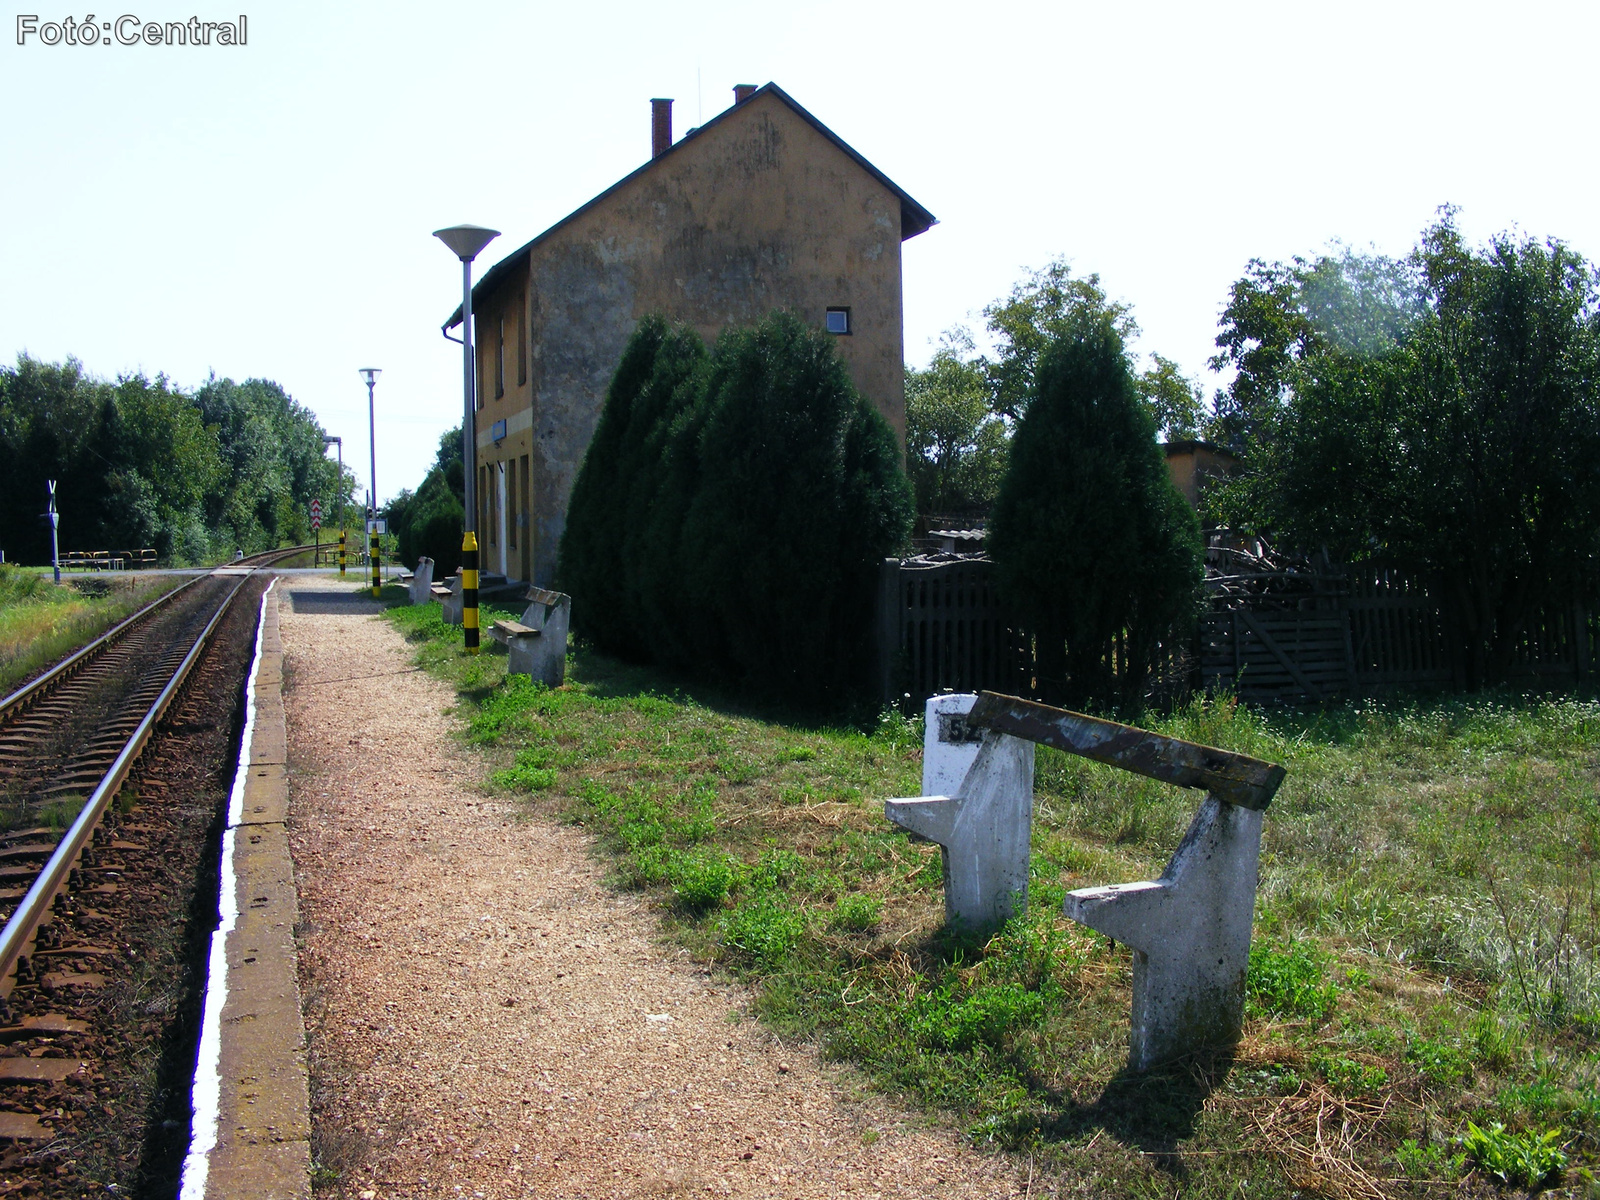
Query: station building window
838	321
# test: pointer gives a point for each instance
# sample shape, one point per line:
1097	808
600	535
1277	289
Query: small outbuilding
1195	465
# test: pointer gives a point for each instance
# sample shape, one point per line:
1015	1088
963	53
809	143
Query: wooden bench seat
504	631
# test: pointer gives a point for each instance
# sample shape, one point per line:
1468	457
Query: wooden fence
1378	630
942	628
1371	630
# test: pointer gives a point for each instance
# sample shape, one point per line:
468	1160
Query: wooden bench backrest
539	595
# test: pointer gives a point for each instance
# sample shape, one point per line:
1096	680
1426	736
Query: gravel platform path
487	1019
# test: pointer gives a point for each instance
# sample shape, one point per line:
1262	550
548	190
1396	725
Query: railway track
79	747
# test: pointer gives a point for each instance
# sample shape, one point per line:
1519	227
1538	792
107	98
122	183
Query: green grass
41	622
1426	927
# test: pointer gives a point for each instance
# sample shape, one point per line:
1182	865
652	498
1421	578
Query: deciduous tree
1447	421
955	442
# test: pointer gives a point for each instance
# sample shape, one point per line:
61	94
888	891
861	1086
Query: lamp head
371	373
466	240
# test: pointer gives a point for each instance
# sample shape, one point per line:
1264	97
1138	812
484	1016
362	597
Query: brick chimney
743	92
660	127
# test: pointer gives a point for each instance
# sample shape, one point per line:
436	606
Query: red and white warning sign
316	514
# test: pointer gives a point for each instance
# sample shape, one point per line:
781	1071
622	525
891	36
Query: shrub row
731	510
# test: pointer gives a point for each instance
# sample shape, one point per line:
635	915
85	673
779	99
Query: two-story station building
761	208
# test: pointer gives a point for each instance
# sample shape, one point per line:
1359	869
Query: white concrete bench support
452	604
1190	929
984	819
421	582
1190	936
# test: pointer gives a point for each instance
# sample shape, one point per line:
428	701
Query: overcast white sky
266	210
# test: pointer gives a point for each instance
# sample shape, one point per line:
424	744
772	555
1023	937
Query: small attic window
838	320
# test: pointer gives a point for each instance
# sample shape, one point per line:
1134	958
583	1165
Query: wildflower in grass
1347	1077
700	880
1439	1062
952	1019
500	706
1428	1162
531	773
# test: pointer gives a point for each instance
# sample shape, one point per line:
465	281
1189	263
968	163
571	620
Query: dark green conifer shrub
1094	549
661	474
732	508
801	493
589	562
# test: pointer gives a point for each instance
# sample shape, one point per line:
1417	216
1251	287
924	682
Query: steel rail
42	894
29	690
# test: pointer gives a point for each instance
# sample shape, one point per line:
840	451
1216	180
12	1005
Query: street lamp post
465	241
372	374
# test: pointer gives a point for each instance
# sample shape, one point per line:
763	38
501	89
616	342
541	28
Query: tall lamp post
372	374
465	241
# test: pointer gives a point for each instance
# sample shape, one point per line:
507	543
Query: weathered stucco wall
758	212
1195	467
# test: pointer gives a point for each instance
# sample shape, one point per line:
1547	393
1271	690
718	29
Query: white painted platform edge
206	1095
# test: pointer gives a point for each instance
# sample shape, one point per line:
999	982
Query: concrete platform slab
253	1109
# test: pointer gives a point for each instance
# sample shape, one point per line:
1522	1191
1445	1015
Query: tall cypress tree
661	474
589	562
1094	549
801	493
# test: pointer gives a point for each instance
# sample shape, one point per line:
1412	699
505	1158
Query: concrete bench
541	651
1189	930
507	632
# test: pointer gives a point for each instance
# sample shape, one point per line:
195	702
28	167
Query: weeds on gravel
1426	931
41	622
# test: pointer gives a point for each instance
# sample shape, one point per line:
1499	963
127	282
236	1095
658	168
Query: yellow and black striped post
341	554
377	563
469	590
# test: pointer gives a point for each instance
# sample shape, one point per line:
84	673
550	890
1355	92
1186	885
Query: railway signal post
55	521
465	241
